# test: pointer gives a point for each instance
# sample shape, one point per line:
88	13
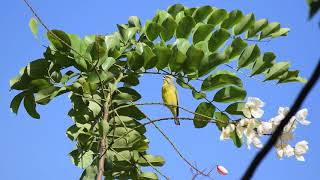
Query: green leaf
202	31
236	139
90	173
20	82
230	94
291	76
39	84
178	56
198	95
184	84
235	48
163	55
16	101
124	143
131	111
95	108
67	76
234	17
217	39
168	28
314	6
217	16
209	63
235	108
134	21
37	68
245	23
104	128
220	79
154	160
150	59
134	94
122	98
81	47
222	120
135	60
194	57
152	30
108	63
280	32
73	132
95	77
30	106
81	159
33	25
206	109
185	27
175	9
201	13
59	39
263	63
98	48
269	29
148	176
131	79
44	96
258	26
277	70
249	55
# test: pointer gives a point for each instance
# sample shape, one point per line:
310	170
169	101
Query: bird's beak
163	78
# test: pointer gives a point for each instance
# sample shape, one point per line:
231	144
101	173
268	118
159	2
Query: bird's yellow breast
169	94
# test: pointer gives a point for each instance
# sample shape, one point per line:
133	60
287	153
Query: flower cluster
252	128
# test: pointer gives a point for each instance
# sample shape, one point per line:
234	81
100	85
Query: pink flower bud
222	170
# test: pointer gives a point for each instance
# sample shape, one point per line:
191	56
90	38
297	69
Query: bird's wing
177	97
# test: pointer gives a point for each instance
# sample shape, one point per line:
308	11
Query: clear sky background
38	149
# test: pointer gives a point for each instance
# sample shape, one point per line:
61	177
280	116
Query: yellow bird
170	97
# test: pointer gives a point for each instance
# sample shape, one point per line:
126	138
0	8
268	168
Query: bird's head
168	79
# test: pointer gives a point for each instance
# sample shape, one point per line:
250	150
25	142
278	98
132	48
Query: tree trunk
103	145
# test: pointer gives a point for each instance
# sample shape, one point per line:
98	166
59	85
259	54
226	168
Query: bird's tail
176	121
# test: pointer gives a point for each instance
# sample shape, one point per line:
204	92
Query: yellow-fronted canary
170	97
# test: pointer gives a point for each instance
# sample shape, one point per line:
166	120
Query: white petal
304	122
280	153
257	112
300	158
257	143
283	111
246	112
288	150
302	114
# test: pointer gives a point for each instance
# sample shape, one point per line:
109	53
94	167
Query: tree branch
173	145
103	142
273	139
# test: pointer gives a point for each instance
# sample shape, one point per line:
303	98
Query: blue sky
38	149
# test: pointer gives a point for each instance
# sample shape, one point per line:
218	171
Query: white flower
302	115
300	149
283	111
252	108
252	138
240	130
291	126
225	133
284	150
264	128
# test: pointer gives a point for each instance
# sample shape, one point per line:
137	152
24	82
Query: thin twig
159	103
153	167
173	145
247	75
273	139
